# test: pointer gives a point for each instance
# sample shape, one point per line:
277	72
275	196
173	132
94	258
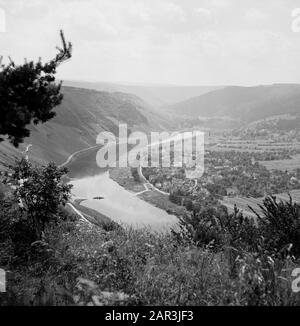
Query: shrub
279	226
40	191
216	228
35	202
276	231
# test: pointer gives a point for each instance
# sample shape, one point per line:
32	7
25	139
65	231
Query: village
229	172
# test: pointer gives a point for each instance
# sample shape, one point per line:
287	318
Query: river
122	206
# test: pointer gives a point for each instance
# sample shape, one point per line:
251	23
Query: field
244	203
263	145
285	165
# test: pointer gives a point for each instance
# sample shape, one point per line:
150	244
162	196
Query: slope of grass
82	115
127	267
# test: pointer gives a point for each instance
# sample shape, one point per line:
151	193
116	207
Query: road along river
120	205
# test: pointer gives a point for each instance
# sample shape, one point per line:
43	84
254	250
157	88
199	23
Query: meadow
284	165
243	203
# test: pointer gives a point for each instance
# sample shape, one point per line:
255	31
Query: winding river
122	206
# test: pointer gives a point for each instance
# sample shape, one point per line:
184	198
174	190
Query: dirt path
69	159
149	185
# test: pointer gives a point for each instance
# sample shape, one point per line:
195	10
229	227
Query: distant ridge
244	103
83	114
155	95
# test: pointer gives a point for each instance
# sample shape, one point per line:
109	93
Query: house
232	192
294	180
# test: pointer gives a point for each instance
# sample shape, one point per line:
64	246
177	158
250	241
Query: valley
149	156
238	172
123	214
258	159
83	114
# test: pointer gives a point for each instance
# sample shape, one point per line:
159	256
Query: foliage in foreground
217	258
36	195
87	266
275	232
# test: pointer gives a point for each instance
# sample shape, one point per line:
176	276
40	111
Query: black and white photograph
149	156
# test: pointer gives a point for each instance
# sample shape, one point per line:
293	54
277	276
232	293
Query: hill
155	95
247	104
82	115
285	127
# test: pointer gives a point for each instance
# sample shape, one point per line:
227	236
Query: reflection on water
121	205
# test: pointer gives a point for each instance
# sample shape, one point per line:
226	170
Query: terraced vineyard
244	203
225	144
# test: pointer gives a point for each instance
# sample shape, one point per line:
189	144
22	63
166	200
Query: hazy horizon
158	84
162	42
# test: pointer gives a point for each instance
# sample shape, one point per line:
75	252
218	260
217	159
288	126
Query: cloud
156	12
254	15
203	12
218	4
172	41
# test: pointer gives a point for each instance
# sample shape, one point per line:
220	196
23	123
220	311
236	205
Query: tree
135	174
28	93
40	191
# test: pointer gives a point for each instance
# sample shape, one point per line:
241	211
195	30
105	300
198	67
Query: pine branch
65	52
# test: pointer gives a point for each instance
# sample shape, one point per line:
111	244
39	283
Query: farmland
243	203
285	165
252	145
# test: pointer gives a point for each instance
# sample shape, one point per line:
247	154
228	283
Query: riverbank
94	216
93	212
125	179
117	205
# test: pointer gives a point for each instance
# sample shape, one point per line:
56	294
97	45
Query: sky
178	42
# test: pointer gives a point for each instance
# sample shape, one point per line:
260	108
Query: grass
79	263
124	178
162	201
243	203
134	267
284	165
91	215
